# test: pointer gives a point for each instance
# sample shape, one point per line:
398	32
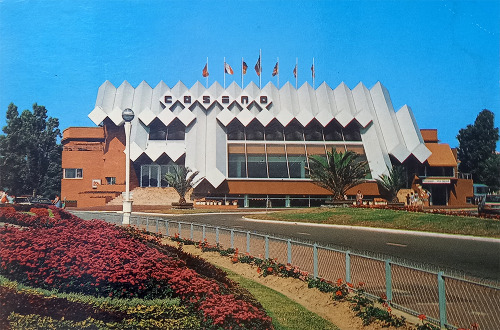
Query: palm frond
338	172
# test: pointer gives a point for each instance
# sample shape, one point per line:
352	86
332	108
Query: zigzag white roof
383	129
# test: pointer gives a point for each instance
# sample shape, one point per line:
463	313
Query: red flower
338	293
422	317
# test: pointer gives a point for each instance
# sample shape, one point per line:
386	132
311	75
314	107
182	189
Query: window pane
157	130
79	173
255	131
153	179
256	161
351	132
70	173
333	132
294	131
257	166
175	130
235	131
277	161
296	161
313	131
237	166
274	131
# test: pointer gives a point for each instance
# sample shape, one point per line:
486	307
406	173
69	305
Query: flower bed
95	258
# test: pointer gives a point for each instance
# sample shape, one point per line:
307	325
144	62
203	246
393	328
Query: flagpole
278	61
297	71
260	69
224	72
207	71
313	72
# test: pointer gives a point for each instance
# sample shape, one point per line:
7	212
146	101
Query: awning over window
441	155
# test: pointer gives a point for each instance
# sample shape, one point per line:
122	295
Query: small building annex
251	145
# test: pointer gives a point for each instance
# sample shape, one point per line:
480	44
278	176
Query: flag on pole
205	71
228	69
312	71
245	66
275	70
295	71
257	67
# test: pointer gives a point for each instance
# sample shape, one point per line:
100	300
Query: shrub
99	259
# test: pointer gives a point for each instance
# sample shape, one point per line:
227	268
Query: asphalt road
473	256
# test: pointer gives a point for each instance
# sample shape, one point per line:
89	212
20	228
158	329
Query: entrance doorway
439	194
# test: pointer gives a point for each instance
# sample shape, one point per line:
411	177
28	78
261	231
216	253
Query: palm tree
182	179
390	184
338	172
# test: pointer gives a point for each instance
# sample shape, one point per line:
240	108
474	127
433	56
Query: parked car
489	204
30	200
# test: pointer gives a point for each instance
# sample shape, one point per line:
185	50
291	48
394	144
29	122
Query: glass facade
153	175
277	152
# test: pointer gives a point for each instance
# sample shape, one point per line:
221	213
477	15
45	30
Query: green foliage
286	313
182	179
390	184
30	157
477	145
491	174
34	321
380	218
368	312
338	172
139	313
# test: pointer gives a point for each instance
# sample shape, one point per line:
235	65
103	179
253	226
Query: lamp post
128	116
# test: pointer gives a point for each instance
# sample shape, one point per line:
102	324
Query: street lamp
128	116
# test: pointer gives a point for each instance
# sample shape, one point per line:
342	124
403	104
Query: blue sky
439	57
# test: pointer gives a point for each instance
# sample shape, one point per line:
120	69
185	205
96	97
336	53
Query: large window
276	159
154	175
73	173
158	131
256	159
278	152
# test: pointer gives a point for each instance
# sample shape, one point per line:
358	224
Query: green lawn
286	313
418	221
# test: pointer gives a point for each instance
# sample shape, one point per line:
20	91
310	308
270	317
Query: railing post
217	235
179	230
267	247
156	221
147	224
442	300
388	279
191	232
289	251
232	238
248	241
315	260
204	231
166	227
348	266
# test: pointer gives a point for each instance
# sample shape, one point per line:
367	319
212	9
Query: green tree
390	184
491	173
477	145
30	157
182	179
338	172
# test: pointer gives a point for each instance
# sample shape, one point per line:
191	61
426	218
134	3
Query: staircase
151	196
